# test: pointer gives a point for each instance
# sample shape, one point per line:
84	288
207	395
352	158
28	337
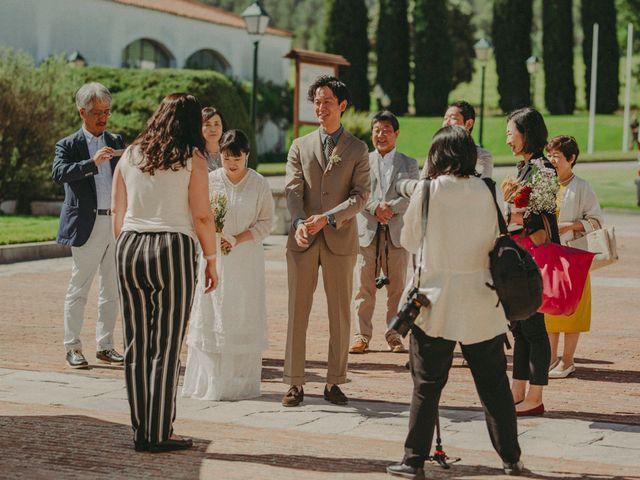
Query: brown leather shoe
335	395
293	397
395	344
359	345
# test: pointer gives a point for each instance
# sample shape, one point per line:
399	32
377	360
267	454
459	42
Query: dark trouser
430	360
531	350
156	278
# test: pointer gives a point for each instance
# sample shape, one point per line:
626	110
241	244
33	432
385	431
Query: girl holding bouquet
578	213
527	137
228	328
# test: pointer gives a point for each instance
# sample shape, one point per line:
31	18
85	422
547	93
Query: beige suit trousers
337	278
365	300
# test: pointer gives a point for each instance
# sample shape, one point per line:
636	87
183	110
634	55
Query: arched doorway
207	59
145	53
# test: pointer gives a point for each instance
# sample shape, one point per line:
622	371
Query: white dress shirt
385	163
104	176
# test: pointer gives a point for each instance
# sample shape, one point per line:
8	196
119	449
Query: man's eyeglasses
99	113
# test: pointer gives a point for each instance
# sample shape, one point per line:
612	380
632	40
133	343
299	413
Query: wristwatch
331	219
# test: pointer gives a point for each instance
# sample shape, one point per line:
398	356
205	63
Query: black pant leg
134	300
520	352
535	331
488	366
430	360
531	350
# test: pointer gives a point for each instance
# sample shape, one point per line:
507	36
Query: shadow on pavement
66	445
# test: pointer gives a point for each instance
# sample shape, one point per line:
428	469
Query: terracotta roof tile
198	11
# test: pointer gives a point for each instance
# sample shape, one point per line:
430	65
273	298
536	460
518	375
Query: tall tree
462	33
392	48
345	34
602	12
511	33
432	56
557	44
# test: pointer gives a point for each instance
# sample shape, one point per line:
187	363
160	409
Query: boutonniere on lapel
334	159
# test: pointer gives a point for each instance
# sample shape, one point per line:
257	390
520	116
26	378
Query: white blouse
461	229
158	202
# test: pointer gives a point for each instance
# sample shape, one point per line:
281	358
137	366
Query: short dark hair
234	141
452	152
567	145
466	109
530	124
386	116
171	134
209	112
338	88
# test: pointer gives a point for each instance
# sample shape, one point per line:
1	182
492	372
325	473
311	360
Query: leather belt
104	211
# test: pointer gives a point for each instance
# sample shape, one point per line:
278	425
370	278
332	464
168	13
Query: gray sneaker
110	356
75	359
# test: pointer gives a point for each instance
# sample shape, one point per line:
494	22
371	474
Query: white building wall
101	29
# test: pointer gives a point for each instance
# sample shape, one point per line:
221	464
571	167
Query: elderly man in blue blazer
84	164
383	260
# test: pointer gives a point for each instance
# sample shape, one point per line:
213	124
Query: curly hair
171	134
338	88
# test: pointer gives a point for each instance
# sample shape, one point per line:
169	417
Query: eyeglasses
99	113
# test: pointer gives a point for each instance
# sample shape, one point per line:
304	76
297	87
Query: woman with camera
453	274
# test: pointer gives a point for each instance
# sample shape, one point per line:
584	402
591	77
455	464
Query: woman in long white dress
228	328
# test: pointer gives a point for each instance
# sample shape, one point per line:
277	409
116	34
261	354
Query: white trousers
97	255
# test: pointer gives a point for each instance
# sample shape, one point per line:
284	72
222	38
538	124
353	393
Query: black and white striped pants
156	279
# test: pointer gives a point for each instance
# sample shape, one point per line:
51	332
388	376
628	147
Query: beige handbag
602	242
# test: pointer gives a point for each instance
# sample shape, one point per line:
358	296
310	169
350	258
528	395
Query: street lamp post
256	20
532	68
483	53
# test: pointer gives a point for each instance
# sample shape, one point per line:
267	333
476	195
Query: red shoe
532	412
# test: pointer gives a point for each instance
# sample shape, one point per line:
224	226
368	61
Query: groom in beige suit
327	184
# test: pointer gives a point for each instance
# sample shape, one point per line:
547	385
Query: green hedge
137	93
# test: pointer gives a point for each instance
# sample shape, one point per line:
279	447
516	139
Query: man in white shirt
463	114
383	261
84	164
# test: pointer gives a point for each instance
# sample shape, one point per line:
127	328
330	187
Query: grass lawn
27	228
615	188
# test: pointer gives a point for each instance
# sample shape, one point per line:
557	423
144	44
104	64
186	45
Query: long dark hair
452	152
172	133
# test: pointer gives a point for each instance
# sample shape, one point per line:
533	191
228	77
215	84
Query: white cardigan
579	204
461	229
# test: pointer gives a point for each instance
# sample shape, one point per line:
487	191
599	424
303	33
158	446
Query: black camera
406	317
381	281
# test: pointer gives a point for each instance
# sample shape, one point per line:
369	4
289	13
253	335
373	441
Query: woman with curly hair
160	206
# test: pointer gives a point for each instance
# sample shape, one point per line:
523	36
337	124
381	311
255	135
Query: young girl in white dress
228	328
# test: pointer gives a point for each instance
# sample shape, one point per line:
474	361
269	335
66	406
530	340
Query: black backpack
516	276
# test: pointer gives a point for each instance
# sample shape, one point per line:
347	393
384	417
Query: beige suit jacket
312	188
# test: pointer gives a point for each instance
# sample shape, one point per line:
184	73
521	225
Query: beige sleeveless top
156	203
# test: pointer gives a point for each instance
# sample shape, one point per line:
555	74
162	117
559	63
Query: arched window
146	54
207	59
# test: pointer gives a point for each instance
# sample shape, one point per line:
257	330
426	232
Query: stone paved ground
39	440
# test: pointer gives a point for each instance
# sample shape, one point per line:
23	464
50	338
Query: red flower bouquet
522	199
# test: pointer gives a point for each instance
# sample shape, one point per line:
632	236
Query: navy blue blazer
75	169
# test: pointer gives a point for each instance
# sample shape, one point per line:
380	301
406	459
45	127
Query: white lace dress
228	327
